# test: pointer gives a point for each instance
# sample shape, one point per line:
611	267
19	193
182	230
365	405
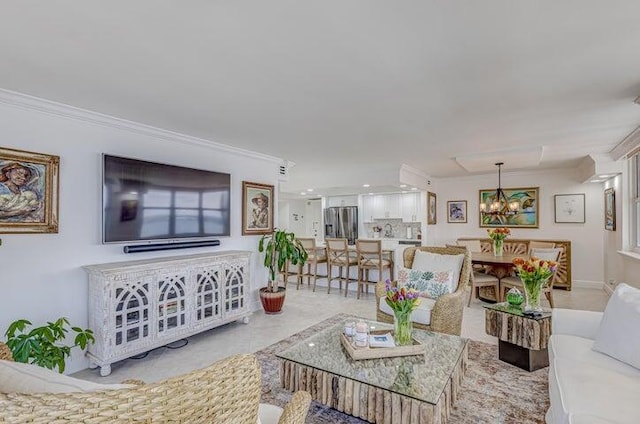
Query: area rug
492	391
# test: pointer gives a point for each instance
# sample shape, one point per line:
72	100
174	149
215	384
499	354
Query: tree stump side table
522	340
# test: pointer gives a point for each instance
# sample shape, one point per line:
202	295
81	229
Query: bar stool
338	255
316	255
370	257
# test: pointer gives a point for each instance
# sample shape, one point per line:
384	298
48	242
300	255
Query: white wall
587	239
41	276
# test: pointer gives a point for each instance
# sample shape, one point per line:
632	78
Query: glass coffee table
409	389
522	339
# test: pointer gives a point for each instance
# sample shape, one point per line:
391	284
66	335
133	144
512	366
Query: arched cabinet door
235	290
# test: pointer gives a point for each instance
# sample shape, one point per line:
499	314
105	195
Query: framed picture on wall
527	211
28	192
257	208
569	208
457	211
431	208
610	209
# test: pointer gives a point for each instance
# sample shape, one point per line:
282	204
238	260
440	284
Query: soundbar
135	248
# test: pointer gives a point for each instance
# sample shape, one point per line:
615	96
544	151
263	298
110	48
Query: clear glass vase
497	247
532	291
403	327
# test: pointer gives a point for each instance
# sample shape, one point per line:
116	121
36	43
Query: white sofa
585	386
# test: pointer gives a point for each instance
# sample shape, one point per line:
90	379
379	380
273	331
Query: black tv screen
153	201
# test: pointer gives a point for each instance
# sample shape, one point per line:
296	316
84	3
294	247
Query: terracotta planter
272	301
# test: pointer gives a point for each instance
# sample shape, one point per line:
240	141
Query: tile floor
302	309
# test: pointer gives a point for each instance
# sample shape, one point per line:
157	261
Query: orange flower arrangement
535	274
498	233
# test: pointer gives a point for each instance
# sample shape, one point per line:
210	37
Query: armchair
227	391
446	311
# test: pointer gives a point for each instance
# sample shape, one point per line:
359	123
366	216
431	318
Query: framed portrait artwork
457	211
28	192
528	206
569	208
610	209
257	208
431	208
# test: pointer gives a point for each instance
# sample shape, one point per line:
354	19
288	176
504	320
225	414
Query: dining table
501	266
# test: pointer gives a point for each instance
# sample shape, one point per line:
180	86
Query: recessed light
303	193
365	185
309	189
370	194
413	188
403	185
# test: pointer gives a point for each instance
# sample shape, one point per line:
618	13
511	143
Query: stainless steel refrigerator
341	222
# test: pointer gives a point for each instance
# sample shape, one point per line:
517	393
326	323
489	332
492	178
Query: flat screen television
152	201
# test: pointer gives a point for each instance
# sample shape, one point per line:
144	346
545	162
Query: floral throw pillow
430	284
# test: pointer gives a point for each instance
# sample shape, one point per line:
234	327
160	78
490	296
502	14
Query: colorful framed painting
527	216
257	208
569	208
431	208
610	209
457	211
28	192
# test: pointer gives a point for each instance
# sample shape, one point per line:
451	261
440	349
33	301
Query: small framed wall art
457	211
28	192
569	208
257	208
610	209
431	208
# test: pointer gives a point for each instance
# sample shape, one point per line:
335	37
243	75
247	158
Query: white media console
135	306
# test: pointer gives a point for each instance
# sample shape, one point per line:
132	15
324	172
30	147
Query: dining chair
370	257
533	244
338	255
479	276
315	255
553	254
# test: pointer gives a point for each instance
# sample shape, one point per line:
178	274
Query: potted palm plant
279	247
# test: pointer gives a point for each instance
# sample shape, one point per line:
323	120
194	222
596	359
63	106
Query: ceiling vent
283	172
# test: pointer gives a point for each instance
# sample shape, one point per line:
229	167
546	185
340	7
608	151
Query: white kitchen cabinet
368	208
410	206
135	306
391	206
338	201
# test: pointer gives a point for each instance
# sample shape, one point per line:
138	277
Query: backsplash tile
393	228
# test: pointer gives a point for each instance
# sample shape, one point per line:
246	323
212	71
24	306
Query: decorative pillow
16	377
617	336
430	284
427	261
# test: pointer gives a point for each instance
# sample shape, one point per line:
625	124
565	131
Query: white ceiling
366	85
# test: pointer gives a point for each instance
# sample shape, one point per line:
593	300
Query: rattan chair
316	255
507	283
226	392
446	315
339	255
370	257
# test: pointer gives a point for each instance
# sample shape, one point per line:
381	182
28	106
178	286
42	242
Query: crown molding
37	104
629	144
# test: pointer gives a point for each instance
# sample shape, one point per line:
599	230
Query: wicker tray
358	353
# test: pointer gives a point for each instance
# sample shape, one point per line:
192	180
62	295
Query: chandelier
500	205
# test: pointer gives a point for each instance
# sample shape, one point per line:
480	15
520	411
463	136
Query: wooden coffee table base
370	403
521	357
